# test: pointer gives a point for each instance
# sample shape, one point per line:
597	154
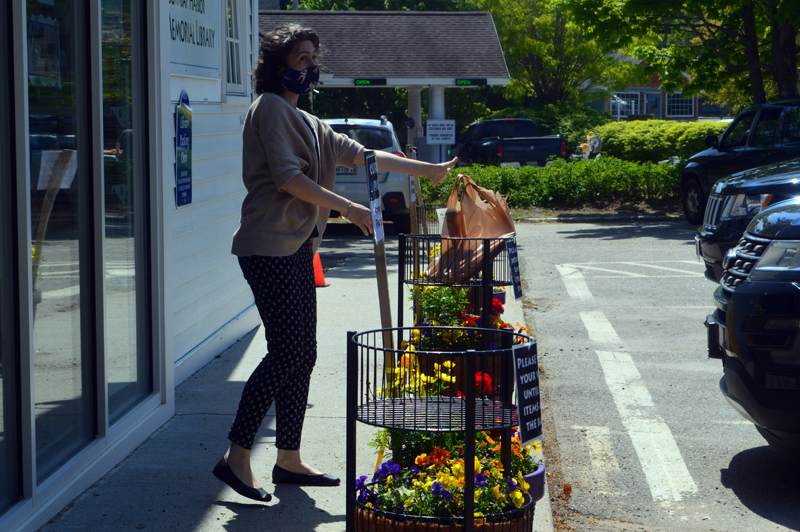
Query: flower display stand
401	399
479	264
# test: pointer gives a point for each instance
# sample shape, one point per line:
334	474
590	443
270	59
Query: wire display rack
428	219
387	388
480	264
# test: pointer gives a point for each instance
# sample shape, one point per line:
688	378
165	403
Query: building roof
405	48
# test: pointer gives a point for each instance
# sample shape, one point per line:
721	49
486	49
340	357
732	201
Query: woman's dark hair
275	48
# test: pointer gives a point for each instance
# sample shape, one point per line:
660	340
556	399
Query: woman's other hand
360	216
439	171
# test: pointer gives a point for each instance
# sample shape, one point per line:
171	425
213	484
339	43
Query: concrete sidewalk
166	484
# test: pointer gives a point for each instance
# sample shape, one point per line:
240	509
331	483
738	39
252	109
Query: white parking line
661	460
574	282
621	272
599	328
661	268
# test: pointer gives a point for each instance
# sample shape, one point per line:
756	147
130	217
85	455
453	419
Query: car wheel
694	202
402	223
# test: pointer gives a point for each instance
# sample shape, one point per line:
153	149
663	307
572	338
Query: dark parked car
759	135
508	142
734	202
755	328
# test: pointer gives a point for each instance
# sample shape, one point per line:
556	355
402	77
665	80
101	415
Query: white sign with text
441	131
196	38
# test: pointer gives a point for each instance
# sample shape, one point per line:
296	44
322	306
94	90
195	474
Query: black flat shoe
281	476
223	472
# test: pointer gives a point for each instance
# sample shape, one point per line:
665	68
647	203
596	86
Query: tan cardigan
278	145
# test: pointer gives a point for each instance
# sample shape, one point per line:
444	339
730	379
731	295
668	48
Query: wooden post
380	260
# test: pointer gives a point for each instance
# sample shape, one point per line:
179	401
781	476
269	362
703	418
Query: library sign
195	38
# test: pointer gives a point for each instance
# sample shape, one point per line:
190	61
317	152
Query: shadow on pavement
295	510
680	231
766	485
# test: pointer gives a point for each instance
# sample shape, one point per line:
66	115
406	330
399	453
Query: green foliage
571	120
727	50
656	140
442	303
384	5
549	56
579	182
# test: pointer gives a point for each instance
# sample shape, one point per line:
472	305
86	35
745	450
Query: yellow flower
524	486
389	479
537	446
448	364
368	505
478	467
517	498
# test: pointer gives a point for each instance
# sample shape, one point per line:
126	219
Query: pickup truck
508	142
759	135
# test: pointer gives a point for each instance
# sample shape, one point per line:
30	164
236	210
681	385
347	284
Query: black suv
734	202
759	135
755	329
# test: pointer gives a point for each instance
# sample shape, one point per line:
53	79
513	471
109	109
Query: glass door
125	170
9	373
60	219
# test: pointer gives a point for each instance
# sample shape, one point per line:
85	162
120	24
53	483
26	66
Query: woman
289	168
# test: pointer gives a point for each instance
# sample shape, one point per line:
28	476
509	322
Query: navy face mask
300	81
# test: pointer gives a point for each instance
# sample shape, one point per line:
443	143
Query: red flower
483	383
497	307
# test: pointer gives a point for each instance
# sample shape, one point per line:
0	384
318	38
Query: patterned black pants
286	299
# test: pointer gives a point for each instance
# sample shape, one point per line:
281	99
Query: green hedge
655	140
570	120
603	179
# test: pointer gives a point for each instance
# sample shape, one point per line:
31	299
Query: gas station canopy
400	48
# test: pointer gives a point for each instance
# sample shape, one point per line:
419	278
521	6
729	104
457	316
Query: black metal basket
428	219
388	387
429	389
442	261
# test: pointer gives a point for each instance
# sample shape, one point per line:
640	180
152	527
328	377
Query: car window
766	133
737	133
372	138
791	125
509	129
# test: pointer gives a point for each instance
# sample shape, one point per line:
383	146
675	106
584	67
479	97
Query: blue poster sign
183	151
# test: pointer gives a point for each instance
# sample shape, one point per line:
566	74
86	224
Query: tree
384	5
698	46
549	57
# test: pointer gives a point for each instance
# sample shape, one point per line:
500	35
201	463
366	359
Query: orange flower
515	451
489	439
498	465
422	460
439	457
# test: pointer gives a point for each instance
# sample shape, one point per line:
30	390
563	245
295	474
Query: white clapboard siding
225	304
208	290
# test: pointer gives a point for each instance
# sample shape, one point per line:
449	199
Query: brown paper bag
480	213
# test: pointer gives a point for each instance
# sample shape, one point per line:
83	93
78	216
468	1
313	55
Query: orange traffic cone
319	277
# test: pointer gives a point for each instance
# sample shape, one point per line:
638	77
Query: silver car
352	184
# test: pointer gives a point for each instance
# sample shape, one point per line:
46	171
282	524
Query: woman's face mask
300	81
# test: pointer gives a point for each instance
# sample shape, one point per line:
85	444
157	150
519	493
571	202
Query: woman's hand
360	216
439	171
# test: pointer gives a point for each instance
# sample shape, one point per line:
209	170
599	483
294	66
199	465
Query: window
233	49
791	126
624	104
766	134
738	132
677	105
9	408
